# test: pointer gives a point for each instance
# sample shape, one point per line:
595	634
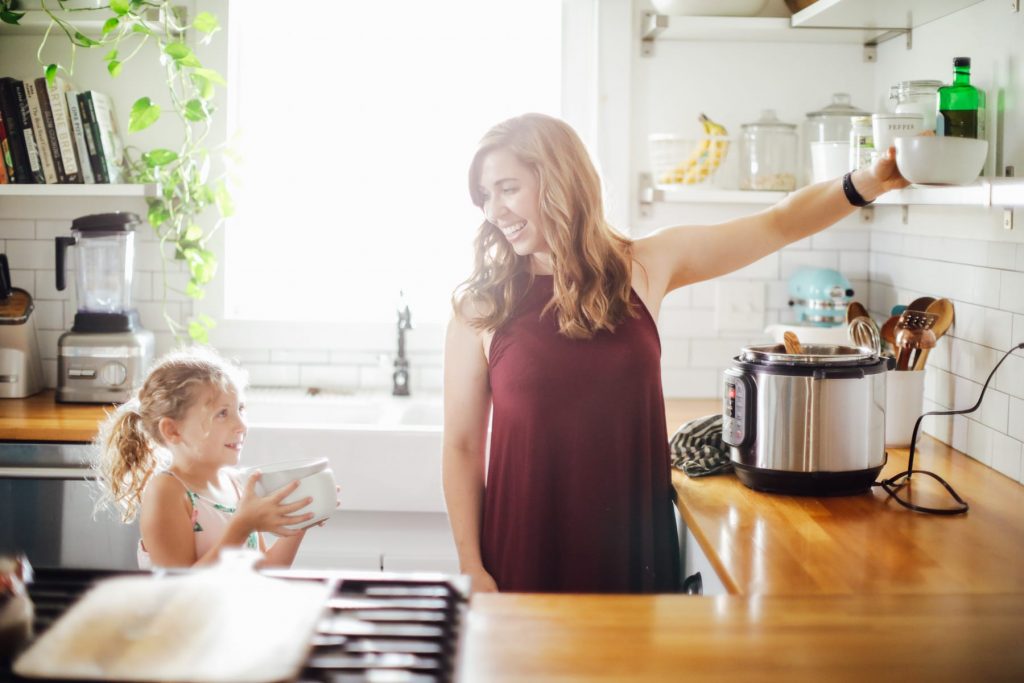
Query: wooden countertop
41	418
769	544
816	638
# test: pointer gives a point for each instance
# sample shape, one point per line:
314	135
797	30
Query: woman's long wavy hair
591	261
129	439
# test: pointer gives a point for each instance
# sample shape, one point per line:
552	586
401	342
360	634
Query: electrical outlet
739	306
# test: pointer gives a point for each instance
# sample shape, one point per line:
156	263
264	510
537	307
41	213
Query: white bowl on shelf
709	8
939	160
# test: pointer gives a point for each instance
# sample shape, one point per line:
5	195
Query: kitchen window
356	128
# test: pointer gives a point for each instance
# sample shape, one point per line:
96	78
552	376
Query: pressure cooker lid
814	354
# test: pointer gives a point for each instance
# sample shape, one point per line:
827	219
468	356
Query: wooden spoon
921	303
854	310
943	308
792	343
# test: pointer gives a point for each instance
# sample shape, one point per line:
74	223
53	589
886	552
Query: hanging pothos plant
185	189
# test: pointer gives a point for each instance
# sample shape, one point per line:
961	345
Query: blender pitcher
103	268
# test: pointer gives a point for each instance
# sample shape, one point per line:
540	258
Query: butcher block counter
849	589
40	418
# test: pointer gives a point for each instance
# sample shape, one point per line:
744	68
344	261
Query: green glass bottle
961	105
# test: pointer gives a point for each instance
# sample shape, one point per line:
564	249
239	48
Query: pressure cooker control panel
738	409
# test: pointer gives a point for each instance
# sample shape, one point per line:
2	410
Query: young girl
168	455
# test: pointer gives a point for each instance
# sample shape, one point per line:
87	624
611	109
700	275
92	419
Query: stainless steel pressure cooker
808	424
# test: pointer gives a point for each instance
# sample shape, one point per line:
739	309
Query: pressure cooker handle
62	246
844	373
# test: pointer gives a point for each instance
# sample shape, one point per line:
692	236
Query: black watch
851	193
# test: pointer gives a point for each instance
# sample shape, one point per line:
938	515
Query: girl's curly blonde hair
129	439
592	262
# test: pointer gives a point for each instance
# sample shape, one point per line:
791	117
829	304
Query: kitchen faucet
400	377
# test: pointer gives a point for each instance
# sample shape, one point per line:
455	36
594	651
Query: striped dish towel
697	447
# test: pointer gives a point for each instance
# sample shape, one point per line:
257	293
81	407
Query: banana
705	158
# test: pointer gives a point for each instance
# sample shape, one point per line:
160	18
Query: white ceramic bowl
885	128
700	8
322	489
937	160
277	474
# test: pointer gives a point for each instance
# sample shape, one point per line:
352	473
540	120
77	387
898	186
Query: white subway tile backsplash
48	343
50	372
691	383
675	353
1018	330
982	325
715	353
678	298
300	357
25	279
1010	376
48	230
792	261
958	438
1016	426
247	356
1006	456
972	361
329	376
1020	258
46	286
703	294
854	264
1011	296
842	240
343	357
30	254
49	315
979	442
886	243
261	375
11	229
766	268
686	323
375	378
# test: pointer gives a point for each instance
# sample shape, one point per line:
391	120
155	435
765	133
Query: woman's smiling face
511	202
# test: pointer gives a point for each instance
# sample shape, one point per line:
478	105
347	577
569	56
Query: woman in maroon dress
554	343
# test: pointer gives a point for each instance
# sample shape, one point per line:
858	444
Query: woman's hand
268	513
481	581
880	177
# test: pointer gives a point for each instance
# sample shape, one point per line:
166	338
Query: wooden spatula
792	343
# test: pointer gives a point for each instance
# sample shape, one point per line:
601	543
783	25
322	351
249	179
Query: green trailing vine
185	189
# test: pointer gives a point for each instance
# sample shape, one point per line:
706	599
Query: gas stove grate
379	628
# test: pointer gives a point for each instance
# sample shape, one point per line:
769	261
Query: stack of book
50	133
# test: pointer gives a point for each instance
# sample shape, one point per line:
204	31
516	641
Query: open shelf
876	14
89	22
72	190
745	29
984	192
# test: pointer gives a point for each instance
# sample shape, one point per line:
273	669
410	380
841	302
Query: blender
105	355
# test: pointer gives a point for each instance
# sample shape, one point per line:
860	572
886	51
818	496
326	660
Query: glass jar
862	143
918	97
768	154
829	124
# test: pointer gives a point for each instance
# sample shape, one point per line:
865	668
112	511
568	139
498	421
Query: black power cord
893	484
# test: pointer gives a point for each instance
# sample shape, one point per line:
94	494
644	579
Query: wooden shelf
71	190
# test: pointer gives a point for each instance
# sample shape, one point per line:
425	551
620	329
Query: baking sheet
217	625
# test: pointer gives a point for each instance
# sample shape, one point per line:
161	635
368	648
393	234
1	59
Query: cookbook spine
92	138
42	139
51	129
22	172
5	156
110	143
25	121
78	133
62	124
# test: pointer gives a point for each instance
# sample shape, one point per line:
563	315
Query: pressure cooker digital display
737	409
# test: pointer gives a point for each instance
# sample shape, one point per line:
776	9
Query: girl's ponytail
127	460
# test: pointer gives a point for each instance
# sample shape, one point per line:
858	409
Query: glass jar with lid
918	97
831	123
768	156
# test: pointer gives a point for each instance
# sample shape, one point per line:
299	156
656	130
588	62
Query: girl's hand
481	581
268	513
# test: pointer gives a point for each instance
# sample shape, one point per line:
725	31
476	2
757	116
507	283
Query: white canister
918	97
904	403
